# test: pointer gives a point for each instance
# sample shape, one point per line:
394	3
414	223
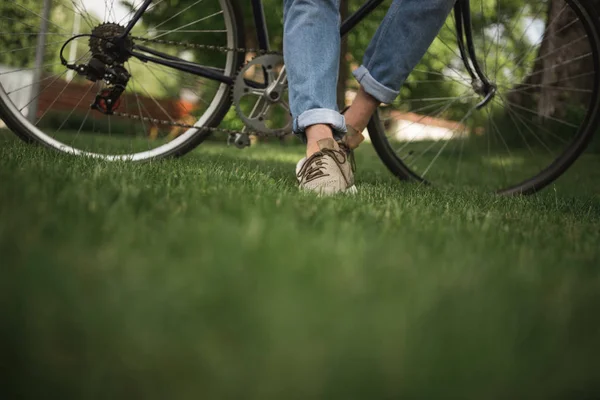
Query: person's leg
357	117
311	47
407	31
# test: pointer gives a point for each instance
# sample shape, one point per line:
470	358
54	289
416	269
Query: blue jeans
311	47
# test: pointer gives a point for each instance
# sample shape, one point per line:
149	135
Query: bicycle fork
479	81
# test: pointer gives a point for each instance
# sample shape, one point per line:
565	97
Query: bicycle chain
210	129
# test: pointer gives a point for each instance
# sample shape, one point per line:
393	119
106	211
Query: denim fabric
402	39
311	47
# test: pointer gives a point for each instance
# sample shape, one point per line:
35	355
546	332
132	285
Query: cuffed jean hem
320	116
373	87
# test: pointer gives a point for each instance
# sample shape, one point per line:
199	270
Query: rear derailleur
110	50
116	76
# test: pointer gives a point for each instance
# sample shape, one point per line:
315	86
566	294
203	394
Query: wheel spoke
189	24
53	102
438	112
517	20
73	110
37	15
534	112
515	114
174	16
545	34
525	87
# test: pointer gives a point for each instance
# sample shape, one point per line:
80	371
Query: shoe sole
351	190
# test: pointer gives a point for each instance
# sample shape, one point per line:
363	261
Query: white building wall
18	85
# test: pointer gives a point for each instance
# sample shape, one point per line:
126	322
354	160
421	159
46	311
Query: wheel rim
153	92
509	146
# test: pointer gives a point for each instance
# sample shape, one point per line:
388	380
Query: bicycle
506	115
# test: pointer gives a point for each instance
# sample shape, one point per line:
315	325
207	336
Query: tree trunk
563	42
344	67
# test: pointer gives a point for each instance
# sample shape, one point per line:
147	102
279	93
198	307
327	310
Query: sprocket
102	47
260	99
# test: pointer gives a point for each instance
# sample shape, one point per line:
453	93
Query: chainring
260	96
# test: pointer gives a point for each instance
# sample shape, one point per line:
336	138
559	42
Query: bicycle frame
462	14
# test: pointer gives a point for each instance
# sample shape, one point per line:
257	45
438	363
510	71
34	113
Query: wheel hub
488	92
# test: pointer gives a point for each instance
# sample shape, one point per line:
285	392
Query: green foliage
167	21
20	25
19	29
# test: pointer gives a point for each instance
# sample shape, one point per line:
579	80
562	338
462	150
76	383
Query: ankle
314	134
354	137
361	110
355	121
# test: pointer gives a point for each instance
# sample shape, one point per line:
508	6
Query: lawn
212	277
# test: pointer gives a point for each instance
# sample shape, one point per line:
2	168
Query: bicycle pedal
240	140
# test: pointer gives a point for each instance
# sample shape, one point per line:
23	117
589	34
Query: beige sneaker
326	172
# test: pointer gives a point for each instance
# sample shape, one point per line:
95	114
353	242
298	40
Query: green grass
212	277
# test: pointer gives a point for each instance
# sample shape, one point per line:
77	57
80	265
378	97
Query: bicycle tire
25	130
399	168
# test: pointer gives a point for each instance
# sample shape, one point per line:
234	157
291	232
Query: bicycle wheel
43	101
543	59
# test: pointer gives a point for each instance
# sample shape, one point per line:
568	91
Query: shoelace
352	131
313	167
349	155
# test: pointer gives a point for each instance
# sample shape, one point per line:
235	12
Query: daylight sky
98	7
